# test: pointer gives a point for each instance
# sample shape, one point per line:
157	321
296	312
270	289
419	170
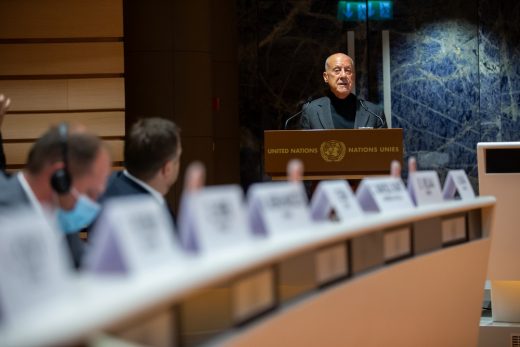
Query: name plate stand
457	182
133	234
425	188
334	199
278	207
214	218
34	270
383	194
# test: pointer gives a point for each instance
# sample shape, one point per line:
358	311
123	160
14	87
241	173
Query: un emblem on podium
332	150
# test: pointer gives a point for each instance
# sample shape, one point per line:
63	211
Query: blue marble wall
499	36
435	82
455	77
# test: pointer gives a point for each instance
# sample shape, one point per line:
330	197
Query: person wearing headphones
340	108
66	172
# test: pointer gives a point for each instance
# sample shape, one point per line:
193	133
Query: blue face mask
81	216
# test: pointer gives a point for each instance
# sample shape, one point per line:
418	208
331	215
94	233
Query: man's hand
4	105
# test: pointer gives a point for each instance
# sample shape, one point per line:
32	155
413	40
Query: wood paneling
66	94
225	87
192	94
227	161
96	93
32	126
61	58
34	95
116	149
16	153
60	18
192	19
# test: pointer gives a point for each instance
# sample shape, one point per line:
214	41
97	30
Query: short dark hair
149	145
82	150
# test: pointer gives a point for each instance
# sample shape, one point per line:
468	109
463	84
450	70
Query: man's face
339	75
93	183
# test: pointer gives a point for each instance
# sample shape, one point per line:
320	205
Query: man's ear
52	168
325	77
167	167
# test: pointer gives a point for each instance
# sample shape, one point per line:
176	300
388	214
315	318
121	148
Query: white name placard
214	218
34	267
133	234
334	199
424	187
277	207
457	181
383	194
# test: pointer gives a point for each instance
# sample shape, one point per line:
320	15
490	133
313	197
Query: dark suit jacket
11	192
317	115
120	185
13	195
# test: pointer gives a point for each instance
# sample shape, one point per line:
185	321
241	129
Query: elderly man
340	109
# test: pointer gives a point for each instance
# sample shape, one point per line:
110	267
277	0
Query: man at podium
340	109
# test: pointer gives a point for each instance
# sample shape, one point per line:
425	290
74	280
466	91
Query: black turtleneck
343	111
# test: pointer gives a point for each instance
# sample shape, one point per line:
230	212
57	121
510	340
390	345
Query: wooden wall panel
16	153
61	58
32	126
192	103
60	18
33	95
65	94
116	149
96	93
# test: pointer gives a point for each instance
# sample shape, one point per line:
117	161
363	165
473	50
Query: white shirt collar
32	198
158	196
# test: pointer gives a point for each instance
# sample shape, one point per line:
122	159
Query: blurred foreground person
4	105
66	173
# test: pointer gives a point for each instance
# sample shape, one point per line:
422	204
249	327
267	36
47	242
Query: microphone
309	99
372	113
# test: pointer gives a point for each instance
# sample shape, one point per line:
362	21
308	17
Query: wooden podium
333	154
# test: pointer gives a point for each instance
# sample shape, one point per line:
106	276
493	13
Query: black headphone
61	180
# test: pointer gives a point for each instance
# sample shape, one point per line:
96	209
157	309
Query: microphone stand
309	99
362	103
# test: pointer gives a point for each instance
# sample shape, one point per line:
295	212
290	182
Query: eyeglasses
337	71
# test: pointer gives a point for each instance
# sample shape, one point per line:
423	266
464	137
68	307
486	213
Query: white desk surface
97	302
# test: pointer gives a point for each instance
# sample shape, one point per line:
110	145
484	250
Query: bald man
340	109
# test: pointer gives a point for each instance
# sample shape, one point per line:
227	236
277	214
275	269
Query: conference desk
407	278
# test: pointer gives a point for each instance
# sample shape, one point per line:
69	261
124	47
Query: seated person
66	172
152	158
